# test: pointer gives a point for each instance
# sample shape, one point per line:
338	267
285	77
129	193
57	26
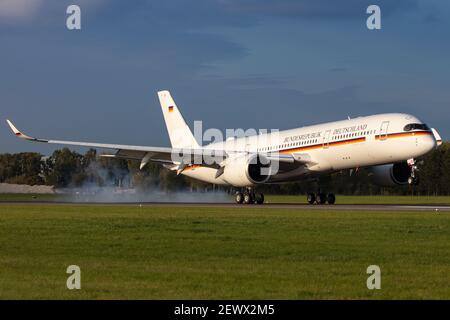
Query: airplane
387	144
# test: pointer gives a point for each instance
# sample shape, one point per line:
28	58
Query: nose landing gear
413	180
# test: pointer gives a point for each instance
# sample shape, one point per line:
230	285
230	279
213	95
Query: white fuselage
359	142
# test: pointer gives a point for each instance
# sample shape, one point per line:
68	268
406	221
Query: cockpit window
416	126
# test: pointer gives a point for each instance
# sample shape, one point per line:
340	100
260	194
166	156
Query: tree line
66	168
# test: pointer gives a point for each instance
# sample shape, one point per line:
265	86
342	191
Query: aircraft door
326	139
248	146
384	130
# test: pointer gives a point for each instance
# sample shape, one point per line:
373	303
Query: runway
335	207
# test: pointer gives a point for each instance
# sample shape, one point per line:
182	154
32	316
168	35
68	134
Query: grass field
29	197
213	253
406	200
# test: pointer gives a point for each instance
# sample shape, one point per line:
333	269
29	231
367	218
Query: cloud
18	10
430	18
129	49
328	9
338	69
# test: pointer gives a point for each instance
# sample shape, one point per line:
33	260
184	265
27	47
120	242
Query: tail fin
179	133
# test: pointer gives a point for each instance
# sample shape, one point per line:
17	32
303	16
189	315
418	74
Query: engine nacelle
391	174
247	170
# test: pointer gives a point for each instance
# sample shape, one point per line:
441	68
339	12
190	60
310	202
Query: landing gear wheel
321	198
248	199
259	198
311	198
413	181
331	199
239	197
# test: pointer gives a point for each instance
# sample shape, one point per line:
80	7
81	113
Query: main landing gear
248	196
321	198
413	180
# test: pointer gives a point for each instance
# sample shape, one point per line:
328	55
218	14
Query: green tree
61	168
21	168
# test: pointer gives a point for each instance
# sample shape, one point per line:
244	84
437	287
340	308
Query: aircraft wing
163	155
143	153
22	135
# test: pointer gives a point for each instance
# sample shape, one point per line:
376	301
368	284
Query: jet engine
391	174
246	170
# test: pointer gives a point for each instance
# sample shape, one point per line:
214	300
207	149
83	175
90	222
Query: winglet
437	137
20	134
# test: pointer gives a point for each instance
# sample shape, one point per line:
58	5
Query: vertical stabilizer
179	133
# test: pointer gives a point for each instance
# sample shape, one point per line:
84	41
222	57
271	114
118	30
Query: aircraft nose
428	143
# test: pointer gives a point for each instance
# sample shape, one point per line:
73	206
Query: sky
272	64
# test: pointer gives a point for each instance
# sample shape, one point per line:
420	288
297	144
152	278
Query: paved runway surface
358	207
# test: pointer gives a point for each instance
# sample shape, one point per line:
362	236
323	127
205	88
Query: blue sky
233	64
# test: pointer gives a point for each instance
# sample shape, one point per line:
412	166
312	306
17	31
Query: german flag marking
193	167
170	108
